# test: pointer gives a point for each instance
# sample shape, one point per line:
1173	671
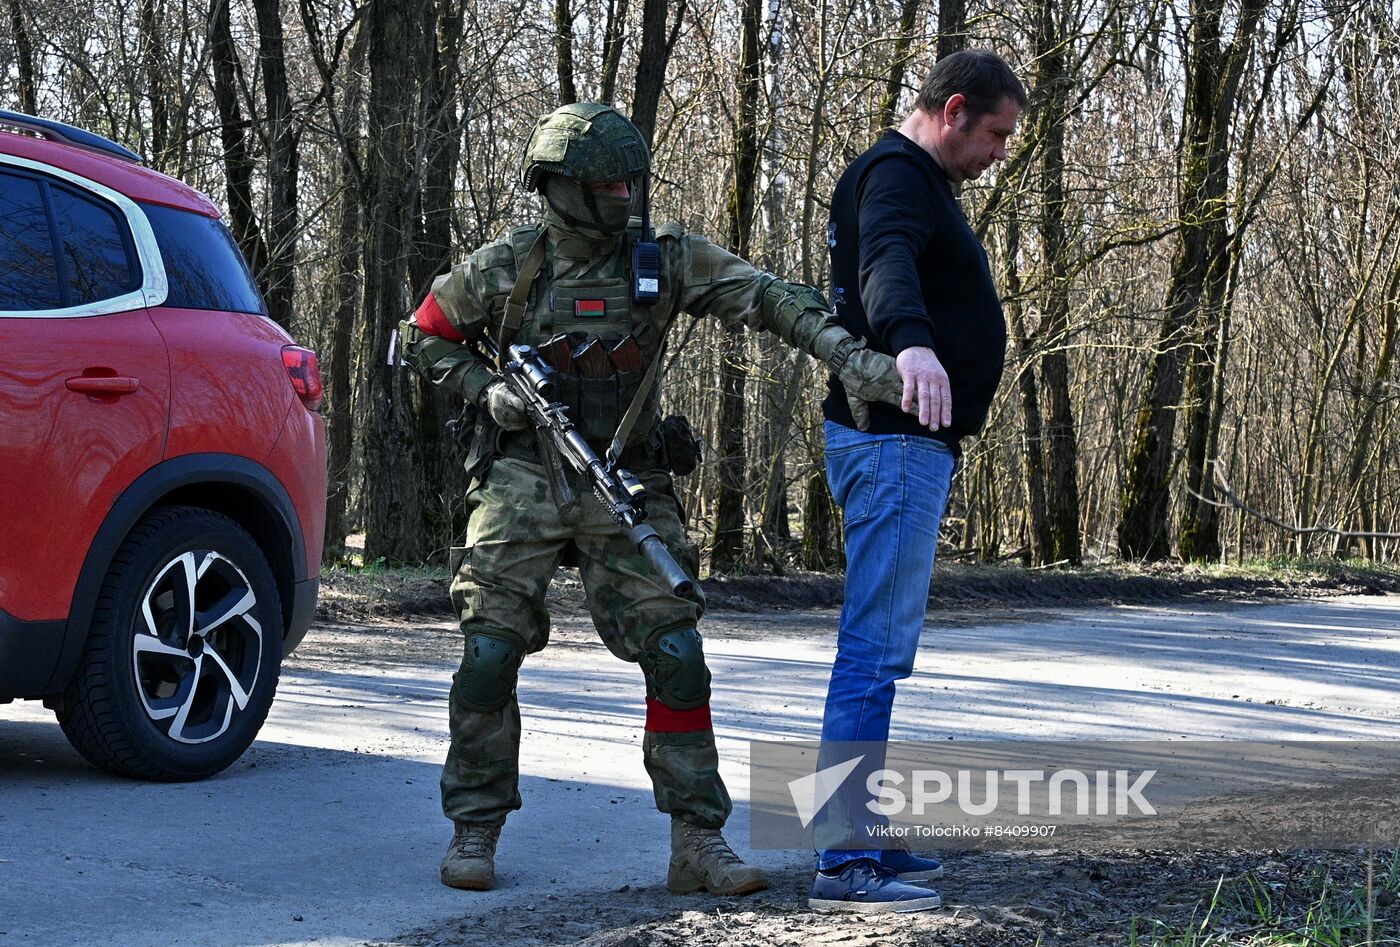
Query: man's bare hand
926	389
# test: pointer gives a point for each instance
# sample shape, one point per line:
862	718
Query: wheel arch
239	488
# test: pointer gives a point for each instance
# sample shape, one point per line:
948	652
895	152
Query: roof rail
57	131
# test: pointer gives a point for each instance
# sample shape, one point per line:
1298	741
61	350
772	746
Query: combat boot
702	860
470	862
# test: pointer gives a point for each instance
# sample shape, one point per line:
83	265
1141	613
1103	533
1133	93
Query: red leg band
662	719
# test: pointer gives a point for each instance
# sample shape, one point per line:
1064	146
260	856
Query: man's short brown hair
982	78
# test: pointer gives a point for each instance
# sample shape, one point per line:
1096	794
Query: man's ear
956	104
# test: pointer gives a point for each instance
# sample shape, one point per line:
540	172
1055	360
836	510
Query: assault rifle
622	494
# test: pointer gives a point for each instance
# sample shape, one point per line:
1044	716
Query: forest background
1195	237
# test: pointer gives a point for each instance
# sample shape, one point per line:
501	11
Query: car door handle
103	385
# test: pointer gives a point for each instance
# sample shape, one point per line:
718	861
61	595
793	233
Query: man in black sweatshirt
910	278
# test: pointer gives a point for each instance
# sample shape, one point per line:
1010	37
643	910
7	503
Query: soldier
592	289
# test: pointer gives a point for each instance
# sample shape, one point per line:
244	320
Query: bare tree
1199	219
238	158
27	91
731	488
652	57
283	162
564	51
1199	271
614	36
393	506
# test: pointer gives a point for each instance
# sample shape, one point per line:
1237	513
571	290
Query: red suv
162	464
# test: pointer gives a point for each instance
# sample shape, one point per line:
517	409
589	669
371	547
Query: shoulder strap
519	293
634	410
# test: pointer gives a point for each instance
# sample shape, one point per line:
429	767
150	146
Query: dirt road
328	831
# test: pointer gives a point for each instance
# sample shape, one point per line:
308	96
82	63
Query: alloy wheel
197	648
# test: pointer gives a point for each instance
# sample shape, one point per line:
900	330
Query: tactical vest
599	311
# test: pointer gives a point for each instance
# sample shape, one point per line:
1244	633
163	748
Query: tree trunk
564	51
1053	83
442	138
1371	397
238	162
340	415
614	36
439	457
340	393
1038	536
652	57
899	63
731	488
393	511
282	165
24	55
820	550
156	92
773	511
1199	535
1213	73
952	26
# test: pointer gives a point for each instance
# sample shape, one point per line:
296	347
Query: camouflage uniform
517	535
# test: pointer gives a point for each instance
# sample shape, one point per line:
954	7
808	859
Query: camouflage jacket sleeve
711	281
457	309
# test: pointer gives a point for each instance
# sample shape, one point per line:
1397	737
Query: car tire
183	653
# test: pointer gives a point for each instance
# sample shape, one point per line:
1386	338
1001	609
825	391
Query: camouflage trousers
516	537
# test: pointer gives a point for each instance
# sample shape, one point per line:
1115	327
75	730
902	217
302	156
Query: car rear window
96	251
28	270
202	263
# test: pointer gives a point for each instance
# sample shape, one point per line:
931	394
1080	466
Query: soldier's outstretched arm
718	283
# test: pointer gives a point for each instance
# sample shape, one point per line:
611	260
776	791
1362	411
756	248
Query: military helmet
585	141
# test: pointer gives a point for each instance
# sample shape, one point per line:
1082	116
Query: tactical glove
869	377
505	407
800	316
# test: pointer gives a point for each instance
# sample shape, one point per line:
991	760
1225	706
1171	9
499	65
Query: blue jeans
893	489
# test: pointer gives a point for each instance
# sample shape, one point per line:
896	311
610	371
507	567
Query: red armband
431	320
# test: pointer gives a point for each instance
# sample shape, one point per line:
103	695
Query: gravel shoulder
959	592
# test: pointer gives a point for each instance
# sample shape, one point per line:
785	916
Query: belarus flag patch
589	308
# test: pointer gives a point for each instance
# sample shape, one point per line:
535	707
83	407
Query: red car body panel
303	436
66	455
229	391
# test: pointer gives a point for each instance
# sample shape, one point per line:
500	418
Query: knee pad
674	664
487	676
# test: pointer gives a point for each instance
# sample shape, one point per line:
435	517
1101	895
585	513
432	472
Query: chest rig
590	330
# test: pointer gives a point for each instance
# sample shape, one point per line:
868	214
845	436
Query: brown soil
990	900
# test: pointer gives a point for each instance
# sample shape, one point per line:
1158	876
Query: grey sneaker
910	867
470	862
701	860
864	886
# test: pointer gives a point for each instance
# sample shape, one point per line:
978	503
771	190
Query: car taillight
305	374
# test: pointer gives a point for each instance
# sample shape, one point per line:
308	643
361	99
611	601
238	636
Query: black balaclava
577	210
